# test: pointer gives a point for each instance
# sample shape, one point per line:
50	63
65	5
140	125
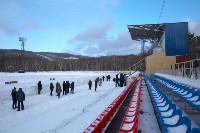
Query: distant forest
105	63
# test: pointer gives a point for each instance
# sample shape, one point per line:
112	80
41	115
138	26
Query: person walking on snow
103	78
58	89
96	82
72	87
117	80
14	98
51	88
121	80
100	81
67	86
20	98
39	87
90	84
64	88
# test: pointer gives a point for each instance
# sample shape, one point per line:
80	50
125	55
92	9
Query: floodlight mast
22	40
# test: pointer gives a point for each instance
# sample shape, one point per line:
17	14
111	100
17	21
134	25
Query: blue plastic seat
195	130
183	126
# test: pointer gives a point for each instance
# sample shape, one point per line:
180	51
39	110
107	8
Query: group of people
18	97
98	82
66	86
120	80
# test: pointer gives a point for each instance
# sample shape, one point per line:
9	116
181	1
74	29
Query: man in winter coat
58	89
121	80
39	87
72	87
125	79
103	78
109	77
117	81
51	88
96	82
20	98
67	86
14	98
64	88
90	84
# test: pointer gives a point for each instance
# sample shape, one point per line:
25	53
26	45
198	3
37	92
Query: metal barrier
189	69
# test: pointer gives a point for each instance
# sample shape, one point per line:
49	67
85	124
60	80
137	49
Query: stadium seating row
102	120
130	120
187	94
169	117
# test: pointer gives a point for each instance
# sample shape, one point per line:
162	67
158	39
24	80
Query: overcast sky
87	27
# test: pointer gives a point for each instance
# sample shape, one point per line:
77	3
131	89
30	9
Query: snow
183	80
131	113
164	108
161	104
71	113
46	57
188	95
197	103
195	98
46	114
127	126
172	120
71	58
129	118
178	129
167	113
147	121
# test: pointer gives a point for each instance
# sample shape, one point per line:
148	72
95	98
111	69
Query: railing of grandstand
189	69
138	65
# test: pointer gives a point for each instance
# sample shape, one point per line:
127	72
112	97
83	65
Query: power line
163	4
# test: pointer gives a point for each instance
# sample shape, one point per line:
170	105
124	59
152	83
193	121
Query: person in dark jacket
103	78
100	81
125	79
96	83
14	98
58	89
109	77
20	98
90	84
116	81
67	86
39	87
72	87
51	88
121	80
64	88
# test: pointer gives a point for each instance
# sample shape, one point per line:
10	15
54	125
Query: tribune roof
146	32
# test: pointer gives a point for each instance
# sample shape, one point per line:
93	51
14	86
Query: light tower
22	40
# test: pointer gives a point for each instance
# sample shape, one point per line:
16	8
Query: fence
189	69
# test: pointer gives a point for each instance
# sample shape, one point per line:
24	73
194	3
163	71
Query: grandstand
152	102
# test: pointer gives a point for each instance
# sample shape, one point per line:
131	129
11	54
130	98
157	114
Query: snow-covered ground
45	114
71	113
